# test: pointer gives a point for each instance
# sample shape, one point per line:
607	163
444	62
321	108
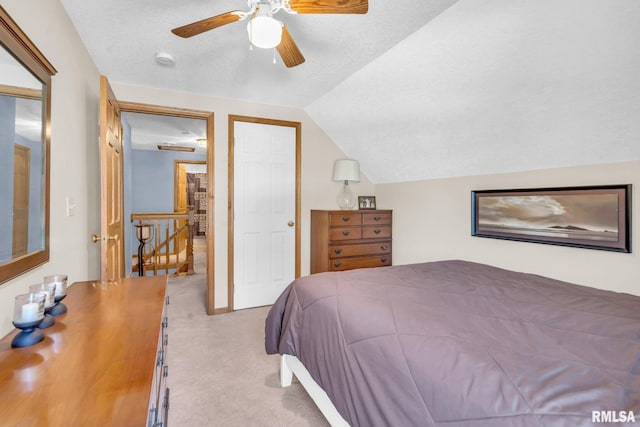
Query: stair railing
170	249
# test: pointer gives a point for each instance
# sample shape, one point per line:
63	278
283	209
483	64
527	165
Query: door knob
96	238
290	223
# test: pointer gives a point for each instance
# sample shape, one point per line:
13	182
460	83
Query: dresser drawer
345	219
376	218
359	262
345	233
384	231
347	239
340	251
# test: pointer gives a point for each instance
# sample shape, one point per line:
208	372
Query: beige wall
432	218
75	156
318	154
432	221
74	136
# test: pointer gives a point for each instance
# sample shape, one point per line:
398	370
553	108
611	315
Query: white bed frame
291	365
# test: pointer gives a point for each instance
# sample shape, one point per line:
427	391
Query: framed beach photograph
595	217
366	202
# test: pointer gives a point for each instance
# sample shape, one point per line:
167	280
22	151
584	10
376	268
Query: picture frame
591	217
366	202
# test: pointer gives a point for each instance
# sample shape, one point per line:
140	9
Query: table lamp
346	170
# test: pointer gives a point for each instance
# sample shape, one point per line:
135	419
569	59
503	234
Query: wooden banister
151	216
171	247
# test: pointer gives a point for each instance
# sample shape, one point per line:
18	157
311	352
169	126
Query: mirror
25	108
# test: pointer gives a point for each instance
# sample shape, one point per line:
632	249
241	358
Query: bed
459	344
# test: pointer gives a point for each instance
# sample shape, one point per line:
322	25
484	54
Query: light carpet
219	373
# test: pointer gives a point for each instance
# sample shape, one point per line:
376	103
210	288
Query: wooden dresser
101	364
344	240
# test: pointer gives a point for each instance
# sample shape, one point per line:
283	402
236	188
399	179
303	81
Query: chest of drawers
344	240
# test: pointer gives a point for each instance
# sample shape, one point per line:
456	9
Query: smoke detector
164	58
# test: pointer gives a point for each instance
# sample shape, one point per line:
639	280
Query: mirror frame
16	42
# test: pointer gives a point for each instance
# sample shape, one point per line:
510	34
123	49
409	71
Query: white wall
432	221
74	145
318	154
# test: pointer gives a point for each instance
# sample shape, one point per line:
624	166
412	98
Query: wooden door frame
134	107
231	236
175	177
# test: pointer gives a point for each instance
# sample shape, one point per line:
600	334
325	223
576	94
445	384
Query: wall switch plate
71	206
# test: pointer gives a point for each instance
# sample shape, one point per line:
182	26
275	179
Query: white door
264	176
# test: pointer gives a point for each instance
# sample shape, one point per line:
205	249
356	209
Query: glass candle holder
60	281
27	314
49	290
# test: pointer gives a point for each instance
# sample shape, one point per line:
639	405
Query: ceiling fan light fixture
166	147
264	32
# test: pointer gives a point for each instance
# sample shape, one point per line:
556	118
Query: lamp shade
346	170
264	32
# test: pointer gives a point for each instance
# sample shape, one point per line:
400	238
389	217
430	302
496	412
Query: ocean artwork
594	217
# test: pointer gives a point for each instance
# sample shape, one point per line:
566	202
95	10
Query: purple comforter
454	343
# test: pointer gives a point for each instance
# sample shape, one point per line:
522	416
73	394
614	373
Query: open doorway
190	195
155	138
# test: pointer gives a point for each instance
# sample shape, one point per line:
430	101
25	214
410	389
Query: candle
48	301
51	290
47	289
60	282
30	312
28	308
59	289
144	232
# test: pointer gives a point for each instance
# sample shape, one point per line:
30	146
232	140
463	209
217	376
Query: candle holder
49	290
143	233
27	314
60	281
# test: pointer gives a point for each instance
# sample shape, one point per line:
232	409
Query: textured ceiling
123	37
495	86
150	130
413	89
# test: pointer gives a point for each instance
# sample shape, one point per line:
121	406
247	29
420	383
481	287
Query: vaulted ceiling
413	89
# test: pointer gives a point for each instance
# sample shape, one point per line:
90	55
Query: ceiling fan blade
330	6
288	50
198	27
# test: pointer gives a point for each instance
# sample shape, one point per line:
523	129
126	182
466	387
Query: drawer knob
377	218
337	264
346	218
384	247
337	251
377	231
346	233
383	259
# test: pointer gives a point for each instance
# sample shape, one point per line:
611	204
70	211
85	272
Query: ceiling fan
266	31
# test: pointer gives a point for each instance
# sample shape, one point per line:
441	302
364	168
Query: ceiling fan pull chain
274	55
